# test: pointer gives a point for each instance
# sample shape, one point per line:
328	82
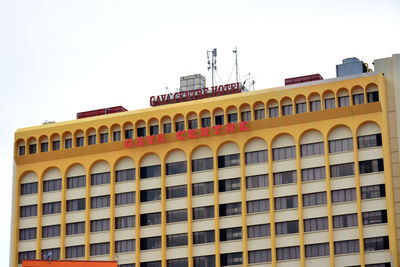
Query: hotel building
302	175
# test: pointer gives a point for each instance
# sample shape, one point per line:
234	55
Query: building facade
301	175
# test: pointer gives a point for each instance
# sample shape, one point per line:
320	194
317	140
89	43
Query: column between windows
112	212
63	214
39	219
137	214
216	207
244	204
163	214
271	204
300	205
87	215
189	209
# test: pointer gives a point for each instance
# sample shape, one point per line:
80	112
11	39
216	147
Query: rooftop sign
195	94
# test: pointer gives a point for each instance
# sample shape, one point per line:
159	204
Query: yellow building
300	175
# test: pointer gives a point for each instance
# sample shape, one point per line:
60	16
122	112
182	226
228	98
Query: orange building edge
68	263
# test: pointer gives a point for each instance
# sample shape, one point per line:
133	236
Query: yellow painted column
164	214
17	222
300	205
189	211
216	210
137	214
39	218
358	193
87	215
329	202
244	205
112	213
63	213
271	204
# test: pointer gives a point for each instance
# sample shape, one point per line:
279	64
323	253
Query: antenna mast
213	63
236	63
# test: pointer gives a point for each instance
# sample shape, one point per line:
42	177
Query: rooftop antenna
236	64
213	63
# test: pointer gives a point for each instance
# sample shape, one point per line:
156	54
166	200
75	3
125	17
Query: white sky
58	58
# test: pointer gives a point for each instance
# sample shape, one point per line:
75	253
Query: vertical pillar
271	204
164	213
87	215
300	201
189	210
216	210
112	213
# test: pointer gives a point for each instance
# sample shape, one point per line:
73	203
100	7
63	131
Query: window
273	112
373	96
75	252
150	243
259	114
26	255
125	222
373	191
358	99
245	115
124	198
21	150
288	202
339	170
75	228
329	103
104	138
288	253
313	174
51	231
284	228
100	178
368	166
230	209
317	250
79	141
150	218
99	202
204	261
219	120
287	177
282	153
29	188
231	258
229	185
177	240
202	164
344	195
315	224
314	199
76	181
126	265
176	191
312	149
54	252
344	101
99	225
374	217
287	110
99	249
150	171
203	212
258	256
125	175
92	140
230	234
346	220
204	237
301	108
255	206
167	128
206	122
257	181
179	126
176	167
129	134
32	149
122	246
376	243
229	160
68	143
347	246
260	230
150	195
56	145
141	132
176	216
203	188
151	264
76	204
27	211
177	262
52	185
367	141
51	208
44	147
27	234
117	136
256	156
192	124
315	105
341	145
154	130
232	118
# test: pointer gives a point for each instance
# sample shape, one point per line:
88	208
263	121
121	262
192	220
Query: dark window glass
341	145
204	261
117	136
329	103
358	99
26	255
203	188
150	171
129	134
284	228
29	188
287	177
344	195
373	191
230	209
203	212
104	138
154	130
301	108
176	215
229	160
27	211
273	112
260	230
206	122
374	217
317	250
179	126
345	169
346	220
54	252
232	118
32	149
347	246
51	208
75	252
282	153
52	185
92	140
245	115
288	202
177	240
287	110
150	218
100	225
44	147
204	237
231	258
257	181
79	141
256	156
51	231
344	101
68	143
314	199
288	253
124	198
315	105
177	262
376	243
192	124
150	243
56	145
125	175
260	205
258	256
99	249
150	195
368	166
122	246
176	167
167	128
230	234
76	181
219	120
100	178
373	96
367	141
229	185
259	114
75	228
202	164
27	234
76	204
312	149
176	191
315	224
99	202
21	150
141	132
151	264
313	174
125	222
